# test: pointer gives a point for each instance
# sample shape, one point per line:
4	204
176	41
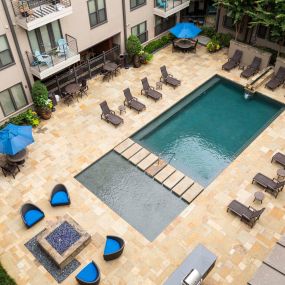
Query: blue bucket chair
31	214
43	58
113	248
162	4
63	47
90	274
59	196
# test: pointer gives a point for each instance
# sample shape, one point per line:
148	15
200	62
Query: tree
271	14
236	9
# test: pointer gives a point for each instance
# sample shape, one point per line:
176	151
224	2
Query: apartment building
45	39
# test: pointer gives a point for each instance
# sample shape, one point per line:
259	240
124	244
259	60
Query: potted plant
134	49
43	105
213	46
24	9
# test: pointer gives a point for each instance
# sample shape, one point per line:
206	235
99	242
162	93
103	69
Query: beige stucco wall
14	74
280	61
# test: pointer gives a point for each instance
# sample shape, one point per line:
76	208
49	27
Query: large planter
45	114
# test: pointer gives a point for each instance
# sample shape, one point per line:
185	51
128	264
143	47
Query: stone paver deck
75	137
124	145
192	192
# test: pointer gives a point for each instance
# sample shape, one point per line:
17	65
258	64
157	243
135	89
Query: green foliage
5	279
208	31
157	44
40	95
134	46
271	14
213	45
223	39
148	56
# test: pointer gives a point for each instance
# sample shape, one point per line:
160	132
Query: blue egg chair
31	214
59	196
90	274
113	248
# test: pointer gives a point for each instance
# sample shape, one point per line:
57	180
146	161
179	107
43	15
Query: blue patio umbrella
185	31
14	138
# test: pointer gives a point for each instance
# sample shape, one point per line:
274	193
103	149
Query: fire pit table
63	240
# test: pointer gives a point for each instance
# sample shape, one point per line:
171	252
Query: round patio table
110	66
184	44
72	88
280	174
18	158
258	196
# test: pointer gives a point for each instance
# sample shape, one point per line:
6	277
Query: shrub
5	279
208	31
157	44
213	45
134	46
40	95
223	39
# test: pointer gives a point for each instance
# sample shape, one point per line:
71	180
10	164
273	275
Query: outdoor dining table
72	88
184	44
110	66
18	158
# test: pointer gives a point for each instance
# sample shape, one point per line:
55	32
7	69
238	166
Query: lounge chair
113	248
10	169
233	61
149	91
31	214
277	79
168	78
252	69
279	157
271	185
132	102
43	58
109	116
59	196
89	275
63	48
248	214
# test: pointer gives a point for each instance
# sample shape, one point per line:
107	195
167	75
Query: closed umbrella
185	31
14	138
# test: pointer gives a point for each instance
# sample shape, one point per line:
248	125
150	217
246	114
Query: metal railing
167	5
53	56
34	9
87	70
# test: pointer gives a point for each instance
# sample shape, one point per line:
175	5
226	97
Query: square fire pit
63	240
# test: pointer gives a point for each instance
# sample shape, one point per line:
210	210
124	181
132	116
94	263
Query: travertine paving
75	137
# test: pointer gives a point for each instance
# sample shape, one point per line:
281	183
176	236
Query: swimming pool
204	132
142	202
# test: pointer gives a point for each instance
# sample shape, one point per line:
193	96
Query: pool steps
174	180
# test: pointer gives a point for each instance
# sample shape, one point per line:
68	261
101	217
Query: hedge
5	279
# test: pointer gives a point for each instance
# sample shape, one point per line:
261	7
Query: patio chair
277	79
31	214
174	47
233	61
107	75
162	4
168	78
109	116
10	169
279	157
270	185
43	58
59	196
248	214
194	47
132	102
114	247
63	48
149	91
89	275
252	69
83	87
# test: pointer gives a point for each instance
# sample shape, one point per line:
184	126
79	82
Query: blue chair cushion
89	273
111	246
59	198
33	216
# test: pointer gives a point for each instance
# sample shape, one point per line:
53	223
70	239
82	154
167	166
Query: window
97	12
12	99
137	3
228	22
45	38
261	31
6	57
140	31
164	24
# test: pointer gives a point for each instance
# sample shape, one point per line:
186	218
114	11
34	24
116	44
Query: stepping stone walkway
173	179
124	145
139	156
192	192
182	186
156	167
148	161
131	151
164	173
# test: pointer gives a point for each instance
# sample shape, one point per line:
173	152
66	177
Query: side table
158	86
280	174
122	109
258	196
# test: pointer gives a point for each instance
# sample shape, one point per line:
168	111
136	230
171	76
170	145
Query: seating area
233	61
90	274
31	214
168	78
277	79
132	102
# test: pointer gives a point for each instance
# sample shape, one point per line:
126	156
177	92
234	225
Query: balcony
32	14
166	8
64	54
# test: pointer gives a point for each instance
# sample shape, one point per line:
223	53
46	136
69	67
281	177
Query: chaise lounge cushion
32	217
60	198
111	246
89	273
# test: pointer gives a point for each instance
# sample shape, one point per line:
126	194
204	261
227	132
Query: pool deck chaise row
174	180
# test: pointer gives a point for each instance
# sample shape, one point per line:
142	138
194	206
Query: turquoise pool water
203	133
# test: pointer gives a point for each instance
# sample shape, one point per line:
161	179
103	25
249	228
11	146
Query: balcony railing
166	5
38	12
44	64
